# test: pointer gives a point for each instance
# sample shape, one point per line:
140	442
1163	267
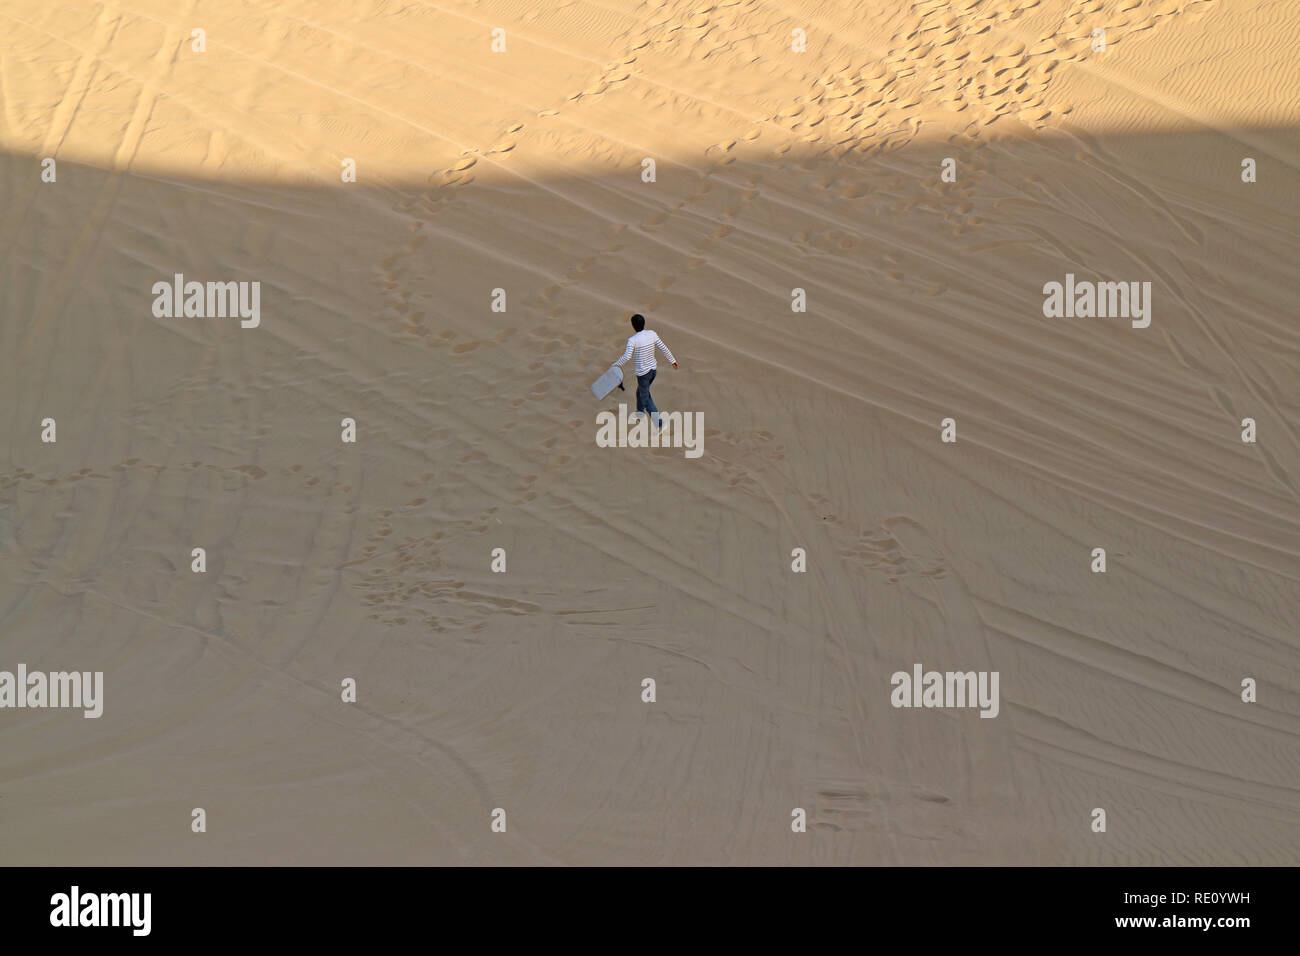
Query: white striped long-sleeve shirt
642	347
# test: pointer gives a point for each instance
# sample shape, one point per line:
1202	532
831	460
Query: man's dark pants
644	403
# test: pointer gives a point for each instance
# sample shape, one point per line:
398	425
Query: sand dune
775	170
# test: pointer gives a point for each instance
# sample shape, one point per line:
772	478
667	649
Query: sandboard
605	384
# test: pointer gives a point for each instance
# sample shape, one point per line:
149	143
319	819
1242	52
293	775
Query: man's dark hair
638	321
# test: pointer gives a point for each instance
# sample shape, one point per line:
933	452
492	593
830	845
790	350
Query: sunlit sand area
986	312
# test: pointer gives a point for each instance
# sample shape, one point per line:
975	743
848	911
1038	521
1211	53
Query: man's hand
674	365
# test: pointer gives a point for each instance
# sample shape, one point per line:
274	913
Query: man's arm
660	343
626	355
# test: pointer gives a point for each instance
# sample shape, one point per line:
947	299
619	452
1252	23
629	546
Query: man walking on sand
641	346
